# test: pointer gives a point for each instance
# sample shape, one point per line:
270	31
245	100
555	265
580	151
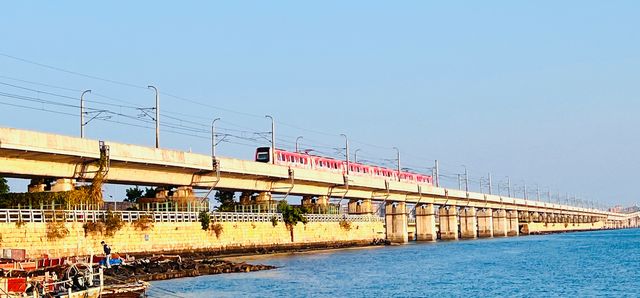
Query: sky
544	92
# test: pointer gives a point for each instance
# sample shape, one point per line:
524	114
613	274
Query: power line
72	72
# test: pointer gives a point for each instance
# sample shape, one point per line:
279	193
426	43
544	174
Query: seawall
185	236
544	228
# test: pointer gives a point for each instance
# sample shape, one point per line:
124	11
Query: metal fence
35	215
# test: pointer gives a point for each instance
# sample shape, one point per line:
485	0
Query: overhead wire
192	131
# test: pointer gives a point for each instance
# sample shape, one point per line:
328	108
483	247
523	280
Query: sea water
583	264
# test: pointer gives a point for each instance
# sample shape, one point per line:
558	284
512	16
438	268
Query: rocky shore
147	267
169	267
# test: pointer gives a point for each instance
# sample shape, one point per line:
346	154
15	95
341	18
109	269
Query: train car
307	161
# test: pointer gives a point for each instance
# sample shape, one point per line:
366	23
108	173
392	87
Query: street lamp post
355	155
82	112
298	139
273	139
346	140
213	137
157	115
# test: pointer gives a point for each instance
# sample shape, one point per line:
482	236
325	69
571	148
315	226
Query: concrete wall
541	228
182	236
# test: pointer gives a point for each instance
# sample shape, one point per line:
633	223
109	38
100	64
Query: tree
291	215
150	192
226	200
133	194
4	186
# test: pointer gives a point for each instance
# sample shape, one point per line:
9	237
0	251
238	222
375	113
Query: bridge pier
500	223
485	223
535	217
513	228
360	207
37	185
63	185
468	223
426	223
396	222
448	223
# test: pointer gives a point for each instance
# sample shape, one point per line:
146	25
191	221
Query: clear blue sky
542	91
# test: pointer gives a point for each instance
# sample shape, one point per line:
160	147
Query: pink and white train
307	161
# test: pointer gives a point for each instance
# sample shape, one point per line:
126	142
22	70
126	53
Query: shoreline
240	258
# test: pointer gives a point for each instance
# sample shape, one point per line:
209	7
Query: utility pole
509	186
466	179
490	185
437	174
157	115
459	182
273	139
525	190
213	137
549	195
398	159
82	113
538	192
346	147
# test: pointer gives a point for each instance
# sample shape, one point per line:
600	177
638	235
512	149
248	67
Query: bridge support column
468	223
360	207
500	223
322	203
396	222
318	204
448	223
426	222
245	198
544	217
264	200
64	185
485	223
37	185
307	201
535	217
512	223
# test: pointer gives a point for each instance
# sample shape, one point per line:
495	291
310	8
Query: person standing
107	253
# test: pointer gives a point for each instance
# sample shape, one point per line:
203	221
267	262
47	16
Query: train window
262	156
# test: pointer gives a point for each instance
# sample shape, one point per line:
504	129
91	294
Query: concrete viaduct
451	213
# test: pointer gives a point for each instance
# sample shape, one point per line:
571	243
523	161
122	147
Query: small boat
67	277
79	280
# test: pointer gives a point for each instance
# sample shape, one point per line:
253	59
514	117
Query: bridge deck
28	154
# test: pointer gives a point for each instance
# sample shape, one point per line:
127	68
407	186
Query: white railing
244	217
36	215
340	217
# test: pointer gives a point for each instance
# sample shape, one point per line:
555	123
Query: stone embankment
182	237
163	267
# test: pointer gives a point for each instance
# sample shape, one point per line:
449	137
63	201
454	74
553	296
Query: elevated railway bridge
449	213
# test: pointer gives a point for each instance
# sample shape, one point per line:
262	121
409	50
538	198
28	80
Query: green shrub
205	219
